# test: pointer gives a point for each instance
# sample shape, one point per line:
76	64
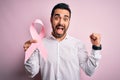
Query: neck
61	38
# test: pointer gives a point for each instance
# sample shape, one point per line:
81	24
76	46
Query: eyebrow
59	15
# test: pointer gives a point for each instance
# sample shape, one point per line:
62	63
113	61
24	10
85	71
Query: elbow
31	70
89	72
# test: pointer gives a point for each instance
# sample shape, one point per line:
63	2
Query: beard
59	31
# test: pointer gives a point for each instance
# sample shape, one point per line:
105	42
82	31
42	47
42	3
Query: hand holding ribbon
38	38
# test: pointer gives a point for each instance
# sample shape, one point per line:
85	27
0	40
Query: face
60	22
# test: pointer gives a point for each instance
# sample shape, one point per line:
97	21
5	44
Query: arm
32	64
90	63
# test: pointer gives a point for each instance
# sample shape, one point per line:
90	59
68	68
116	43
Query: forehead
62	12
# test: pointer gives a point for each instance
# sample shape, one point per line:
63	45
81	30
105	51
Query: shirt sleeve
88	63
32	64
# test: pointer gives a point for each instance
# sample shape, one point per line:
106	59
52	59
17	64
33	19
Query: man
66	55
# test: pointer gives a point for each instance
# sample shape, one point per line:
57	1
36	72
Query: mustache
60	26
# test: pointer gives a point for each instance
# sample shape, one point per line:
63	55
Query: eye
56	18
65	19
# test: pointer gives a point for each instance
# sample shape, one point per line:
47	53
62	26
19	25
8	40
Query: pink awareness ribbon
38	38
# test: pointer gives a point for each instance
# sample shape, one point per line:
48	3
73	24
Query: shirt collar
52	37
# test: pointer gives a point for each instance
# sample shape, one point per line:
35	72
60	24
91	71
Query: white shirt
65	58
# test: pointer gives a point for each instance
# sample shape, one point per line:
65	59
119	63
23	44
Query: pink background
101	16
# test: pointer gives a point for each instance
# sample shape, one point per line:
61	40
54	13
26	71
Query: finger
97	35
33	41
25	49
26	45
93	37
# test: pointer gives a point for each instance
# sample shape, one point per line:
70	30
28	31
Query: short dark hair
61	6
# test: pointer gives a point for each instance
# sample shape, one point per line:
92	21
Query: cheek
67	24
55	23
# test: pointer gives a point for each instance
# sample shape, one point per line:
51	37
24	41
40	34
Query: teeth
60	28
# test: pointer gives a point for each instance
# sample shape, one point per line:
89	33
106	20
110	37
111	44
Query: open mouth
60	29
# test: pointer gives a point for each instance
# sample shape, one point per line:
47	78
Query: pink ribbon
38	38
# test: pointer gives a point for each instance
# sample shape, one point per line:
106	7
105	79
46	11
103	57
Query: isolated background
101	16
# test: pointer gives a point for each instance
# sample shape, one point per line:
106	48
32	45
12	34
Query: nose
61	21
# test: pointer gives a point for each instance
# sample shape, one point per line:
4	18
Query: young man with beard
66	55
